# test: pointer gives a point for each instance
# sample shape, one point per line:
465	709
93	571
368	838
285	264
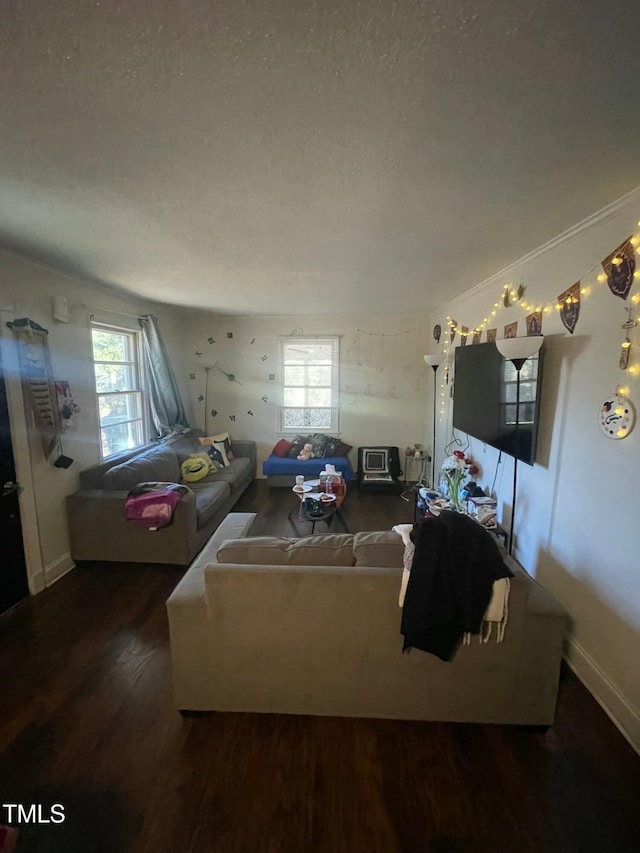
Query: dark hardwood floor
86	720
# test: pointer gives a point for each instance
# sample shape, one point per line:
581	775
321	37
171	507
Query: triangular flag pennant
619	268
511	330
491	335
464	331
570	310
476	337
534	323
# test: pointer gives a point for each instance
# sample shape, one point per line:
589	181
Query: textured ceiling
309	156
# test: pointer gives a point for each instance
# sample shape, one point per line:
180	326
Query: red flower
458	453
474	469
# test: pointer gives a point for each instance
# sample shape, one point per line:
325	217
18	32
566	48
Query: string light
512	296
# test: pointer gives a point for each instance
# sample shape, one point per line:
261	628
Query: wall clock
230	376
617	416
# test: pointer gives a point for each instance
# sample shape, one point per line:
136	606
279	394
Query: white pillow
221	445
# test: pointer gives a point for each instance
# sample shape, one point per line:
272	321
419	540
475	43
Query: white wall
576	526
383	377
29	291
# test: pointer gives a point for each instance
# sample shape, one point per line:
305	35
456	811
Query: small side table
414	468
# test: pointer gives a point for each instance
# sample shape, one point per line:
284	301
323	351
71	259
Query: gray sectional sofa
312	626
98	529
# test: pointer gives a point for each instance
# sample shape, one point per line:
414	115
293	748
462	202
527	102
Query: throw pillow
282	448
203	454
297	444
216	457
224	451
319	443
331	443
343	449
194	469
222	444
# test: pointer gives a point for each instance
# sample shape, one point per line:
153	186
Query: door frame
21	454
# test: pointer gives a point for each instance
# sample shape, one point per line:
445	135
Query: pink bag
152	509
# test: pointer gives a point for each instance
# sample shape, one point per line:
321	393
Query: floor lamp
433	361
517	351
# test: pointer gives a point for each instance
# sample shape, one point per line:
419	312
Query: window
118	389
309	384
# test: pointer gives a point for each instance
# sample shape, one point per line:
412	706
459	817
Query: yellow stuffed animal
306	452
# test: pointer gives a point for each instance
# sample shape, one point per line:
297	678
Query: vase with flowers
456	469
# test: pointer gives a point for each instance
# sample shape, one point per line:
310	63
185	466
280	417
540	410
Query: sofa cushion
333	549
237	473
160	464
382	549
210	494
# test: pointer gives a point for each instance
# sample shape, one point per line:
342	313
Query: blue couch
281	471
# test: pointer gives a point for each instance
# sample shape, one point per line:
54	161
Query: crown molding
620	205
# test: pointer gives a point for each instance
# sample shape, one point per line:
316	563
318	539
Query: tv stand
419	515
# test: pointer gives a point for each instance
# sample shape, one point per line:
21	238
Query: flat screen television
484	399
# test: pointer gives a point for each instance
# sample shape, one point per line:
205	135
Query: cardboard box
484	511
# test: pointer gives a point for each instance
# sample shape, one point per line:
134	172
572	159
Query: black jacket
455	564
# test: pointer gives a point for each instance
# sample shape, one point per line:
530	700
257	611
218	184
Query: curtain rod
111	311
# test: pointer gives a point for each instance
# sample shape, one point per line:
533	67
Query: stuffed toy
306	452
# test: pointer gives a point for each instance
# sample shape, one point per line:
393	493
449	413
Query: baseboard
54	571
37	582
622	714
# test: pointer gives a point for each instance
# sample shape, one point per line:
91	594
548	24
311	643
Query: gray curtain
167	410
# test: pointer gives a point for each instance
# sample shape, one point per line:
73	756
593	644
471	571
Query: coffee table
330	509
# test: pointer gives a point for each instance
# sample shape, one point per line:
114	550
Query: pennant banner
491	335
37	380
570	310
464	333
619	267
534	324
511	330
452	331
476	337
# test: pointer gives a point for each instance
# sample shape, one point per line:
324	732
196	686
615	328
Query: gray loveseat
312	626
98	529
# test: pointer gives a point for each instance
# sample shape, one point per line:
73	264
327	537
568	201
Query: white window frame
139	385
288	342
